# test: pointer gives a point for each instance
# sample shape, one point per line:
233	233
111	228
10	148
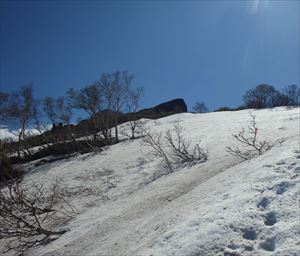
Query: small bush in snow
173	149
155	141
251	146
181	150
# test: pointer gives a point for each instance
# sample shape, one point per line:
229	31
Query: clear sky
211	51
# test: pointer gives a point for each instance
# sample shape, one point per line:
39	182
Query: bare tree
262	96
64	114
132	106
251	146
3	112
31	215
48	106
108	88
20	111
293	94
103	101
3	105
200	107
116	87
89	99
38	123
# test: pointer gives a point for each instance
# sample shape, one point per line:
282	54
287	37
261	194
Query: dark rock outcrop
164	109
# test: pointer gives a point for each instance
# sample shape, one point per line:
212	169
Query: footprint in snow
231	254
270	219
263	203
249	234
269	244
282	187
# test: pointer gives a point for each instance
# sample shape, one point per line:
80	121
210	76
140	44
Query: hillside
224	206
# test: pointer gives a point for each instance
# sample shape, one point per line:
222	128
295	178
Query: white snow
221	207
12	135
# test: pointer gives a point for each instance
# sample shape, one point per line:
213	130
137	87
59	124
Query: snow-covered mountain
224	206
12	135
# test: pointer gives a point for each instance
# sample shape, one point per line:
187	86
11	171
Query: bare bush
181	150
31	215
156	143
173	149
251	146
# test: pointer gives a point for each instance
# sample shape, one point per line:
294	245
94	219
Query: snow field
220	207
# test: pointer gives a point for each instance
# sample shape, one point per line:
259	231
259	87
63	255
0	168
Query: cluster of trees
266	96
103	101
262	96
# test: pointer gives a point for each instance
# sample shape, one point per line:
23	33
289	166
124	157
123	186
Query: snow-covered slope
220	207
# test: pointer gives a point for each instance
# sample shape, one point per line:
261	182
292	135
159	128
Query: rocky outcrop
164	109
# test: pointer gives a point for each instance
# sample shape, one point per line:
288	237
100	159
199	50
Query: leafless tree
48	106
38	123
293	94
20	111
200	107
3	112
31	215
251	146
106	119
3	105
262	96
132	106
64	114
103	101
89	99
116	87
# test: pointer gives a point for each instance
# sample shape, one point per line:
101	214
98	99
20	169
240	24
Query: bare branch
248	139
32	215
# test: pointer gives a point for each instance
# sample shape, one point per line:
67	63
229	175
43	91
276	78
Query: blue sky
211	51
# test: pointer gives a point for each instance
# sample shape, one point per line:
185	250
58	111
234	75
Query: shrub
181	150
251	146
173	149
